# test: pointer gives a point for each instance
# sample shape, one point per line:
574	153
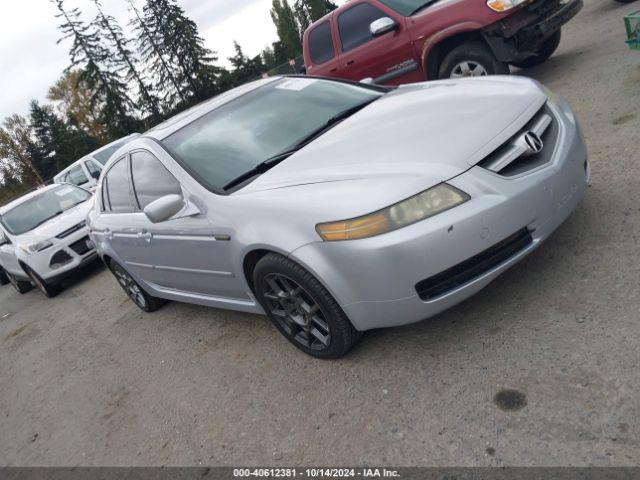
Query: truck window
321	44
354	25
77	176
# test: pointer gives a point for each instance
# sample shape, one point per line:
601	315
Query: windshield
42	208
231	140
407	7
104	155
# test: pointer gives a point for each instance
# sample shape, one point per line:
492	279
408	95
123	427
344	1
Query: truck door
323	59
388	58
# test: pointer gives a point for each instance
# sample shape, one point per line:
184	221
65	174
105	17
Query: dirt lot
87	379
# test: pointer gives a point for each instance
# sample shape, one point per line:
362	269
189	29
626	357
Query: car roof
175	123
26	197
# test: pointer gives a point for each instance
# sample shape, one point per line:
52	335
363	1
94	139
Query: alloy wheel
130	286
297	312
469	68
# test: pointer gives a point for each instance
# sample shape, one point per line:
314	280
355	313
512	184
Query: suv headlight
36	247
503	5
419	207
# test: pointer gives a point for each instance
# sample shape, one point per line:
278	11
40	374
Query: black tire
134	291
304	311
471	53
49	290
4	280
548	48
21	286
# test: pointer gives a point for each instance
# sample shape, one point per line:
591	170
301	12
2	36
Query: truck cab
394	42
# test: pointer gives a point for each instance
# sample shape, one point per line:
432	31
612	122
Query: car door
183	253
387	59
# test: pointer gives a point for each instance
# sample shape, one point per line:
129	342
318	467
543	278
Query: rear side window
321	44
151	180
116	194
94	169
354	24
76	176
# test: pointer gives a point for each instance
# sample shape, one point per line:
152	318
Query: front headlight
504	5
36	247
419	207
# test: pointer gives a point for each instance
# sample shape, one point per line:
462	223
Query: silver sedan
335	207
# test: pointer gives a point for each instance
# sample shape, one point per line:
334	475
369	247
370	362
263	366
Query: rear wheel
472	59
548	48
3	277
302	309
136	293
21	286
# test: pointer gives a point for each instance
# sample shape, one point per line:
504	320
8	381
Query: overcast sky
31	61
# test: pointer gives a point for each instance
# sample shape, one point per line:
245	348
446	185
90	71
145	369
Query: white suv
44	237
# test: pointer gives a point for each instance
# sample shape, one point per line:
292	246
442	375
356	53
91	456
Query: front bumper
375	279
75	249
520	35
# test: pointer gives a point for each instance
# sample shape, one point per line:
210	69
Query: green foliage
284	18
308	11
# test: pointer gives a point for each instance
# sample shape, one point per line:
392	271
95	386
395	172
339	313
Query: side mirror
95	175
382	25
164	208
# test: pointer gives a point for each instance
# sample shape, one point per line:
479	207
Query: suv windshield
42	208
407	8
235	138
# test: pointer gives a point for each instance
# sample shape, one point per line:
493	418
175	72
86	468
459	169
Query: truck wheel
548	48
49	290
302	309
473	59
3	277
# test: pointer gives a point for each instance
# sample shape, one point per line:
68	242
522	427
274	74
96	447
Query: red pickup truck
401	41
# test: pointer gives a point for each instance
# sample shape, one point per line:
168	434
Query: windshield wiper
423	6
280	157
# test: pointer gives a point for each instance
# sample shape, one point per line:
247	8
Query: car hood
426	132
58	224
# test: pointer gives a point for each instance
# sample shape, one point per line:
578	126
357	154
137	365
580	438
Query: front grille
73	229
515	157
474	267
80	247
59	258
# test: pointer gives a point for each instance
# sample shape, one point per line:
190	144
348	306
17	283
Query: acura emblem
534	142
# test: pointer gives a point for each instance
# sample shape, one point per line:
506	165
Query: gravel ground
541	368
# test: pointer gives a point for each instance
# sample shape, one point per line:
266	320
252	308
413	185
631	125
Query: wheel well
106	259
442	48
250	261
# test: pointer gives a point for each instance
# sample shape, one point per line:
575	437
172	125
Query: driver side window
116	192
151	180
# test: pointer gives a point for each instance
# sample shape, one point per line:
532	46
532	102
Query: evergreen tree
171	46
125	61
89	52
284	18
55	144
245	68
308	11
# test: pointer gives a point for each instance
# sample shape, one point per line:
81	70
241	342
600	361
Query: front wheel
21	286
548	48
49	290
473	59
136	293
302	309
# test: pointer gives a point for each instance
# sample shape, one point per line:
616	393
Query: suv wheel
302	309
473	59
3	277
548	48
136	293
20	285
48	289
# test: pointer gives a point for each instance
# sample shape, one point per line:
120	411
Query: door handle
108	234
350	62
333	70
146	236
